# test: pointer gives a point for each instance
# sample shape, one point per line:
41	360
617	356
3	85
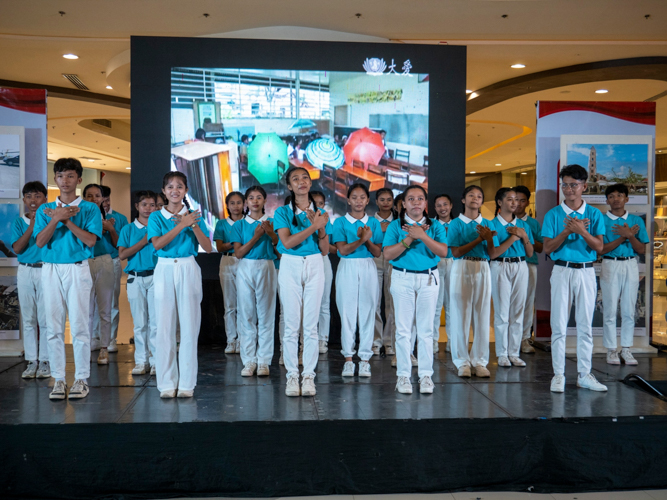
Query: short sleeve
218	233
549	226
204	229
93	222
597	228
236	234
124	237
16	231
154	228
328	229
41	220
529	232
538	232
281	219
453	235
440	234
642	235
377	232
338	231
391	236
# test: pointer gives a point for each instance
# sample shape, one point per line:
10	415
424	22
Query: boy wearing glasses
573	235
625	238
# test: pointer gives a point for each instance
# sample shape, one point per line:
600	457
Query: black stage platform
243	437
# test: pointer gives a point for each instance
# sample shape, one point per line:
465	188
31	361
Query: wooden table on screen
314	172
376	181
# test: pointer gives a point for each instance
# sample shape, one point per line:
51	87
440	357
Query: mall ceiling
543	35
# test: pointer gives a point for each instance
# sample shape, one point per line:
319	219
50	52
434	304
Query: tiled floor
223	395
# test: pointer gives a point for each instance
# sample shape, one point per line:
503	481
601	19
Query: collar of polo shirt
568	210
138	224
524	218
352	220
504	222
250	220
614	217
413	222
25	219
390	219
75	203
168	215
467	220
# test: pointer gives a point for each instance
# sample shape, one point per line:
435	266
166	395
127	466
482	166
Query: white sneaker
308	386
237	347
185	394
590	382
292	388
376	349
281	361
59	390
31	370
393	362
414	360
113	346
436	346
364	369
464	371
348	369
504	361
516	361
249	370
482	371
558	383
139	369
231	347
389	350
263	370
612	357
103	357
153	370
168	394
526	347
79	390
44	370
323	347
626	357
95	344
403	385
426	385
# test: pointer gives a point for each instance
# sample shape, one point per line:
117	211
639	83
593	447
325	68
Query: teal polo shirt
445	225
120	221
575	248
184	244
624	249
243	231
463	230
31	254
283	218
146	258
536	230
345	230
418	257
223	232
516	249
64	247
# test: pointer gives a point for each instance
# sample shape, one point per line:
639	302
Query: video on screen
234	128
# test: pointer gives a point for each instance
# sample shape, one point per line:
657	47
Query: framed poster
12	161
9	308
611	159
8	213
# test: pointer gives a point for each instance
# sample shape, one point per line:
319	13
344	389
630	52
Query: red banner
637	112
29	100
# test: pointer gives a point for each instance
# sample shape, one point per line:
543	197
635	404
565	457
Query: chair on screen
402	155
376	169
396	180
282	182
328	179
426	161
358	164
340	194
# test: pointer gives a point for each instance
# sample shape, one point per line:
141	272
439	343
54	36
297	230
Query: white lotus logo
375	66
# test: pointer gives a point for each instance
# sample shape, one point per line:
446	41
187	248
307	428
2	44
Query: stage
243	437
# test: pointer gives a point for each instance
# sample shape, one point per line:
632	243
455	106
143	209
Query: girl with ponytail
302	230
443	216
234	202
176	231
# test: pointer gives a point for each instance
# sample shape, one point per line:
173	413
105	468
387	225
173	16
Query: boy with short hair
573	233
66	230
523	198
625	237
134	246
119	221
29	283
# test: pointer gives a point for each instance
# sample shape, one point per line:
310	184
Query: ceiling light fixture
518	66
498	164
473	172
524	173
91	159
128	168
468	91
473	95
601	91
109	87
71	56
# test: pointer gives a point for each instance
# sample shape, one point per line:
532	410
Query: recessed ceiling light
71	56
518	66
601	91
498	164
91	159
109	87
473	172
128	168
524	173
473	95
468	91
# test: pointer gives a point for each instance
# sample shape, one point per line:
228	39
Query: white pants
178	295
140	293
33	315
619	279
356	298
509	282
470	301
569	285
415	297
228	267
256	286
529	310
101	297
117	273
386	335
66	293
301	283
445	273
324	323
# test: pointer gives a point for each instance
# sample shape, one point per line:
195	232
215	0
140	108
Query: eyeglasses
572	186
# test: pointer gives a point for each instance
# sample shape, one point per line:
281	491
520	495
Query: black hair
90	186
467	190
35	187
500	196
260	190
358	185
142	195
577	172
399	197
200	134
292	201
449	198
229	197
288	199
244	137
65	164
106	191
163	197
617	188
403	194
522	190
315	193
179	175
382	191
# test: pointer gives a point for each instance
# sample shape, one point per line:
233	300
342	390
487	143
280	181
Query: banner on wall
615	142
